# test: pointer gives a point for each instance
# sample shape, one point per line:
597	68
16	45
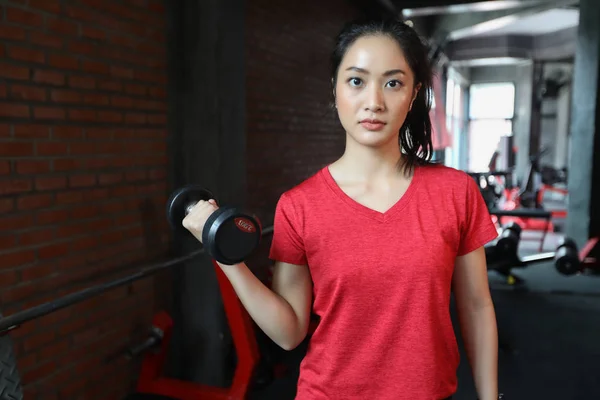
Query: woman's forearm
480	336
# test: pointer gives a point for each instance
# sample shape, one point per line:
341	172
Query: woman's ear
415	93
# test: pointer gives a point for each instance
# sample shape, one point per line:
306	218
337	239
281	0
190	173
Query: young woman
375	242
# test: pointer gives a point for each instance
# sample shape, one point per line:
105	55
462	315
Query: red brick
45	5
98	133
47	217
26	54
24	17
13	222
67	132
94	67
157	119
77	181
53	251
10	71
14	110
69	197
32	131
82	82
110	116
110	85
65	96
156	6
61	61
17	258
96	99
135	118
121	72
32	166
16	149
48	113
39	371
93	33
8	278
82	47
30	93
50	182
35	237
34	201
62	26
82	115
48	77
68	164
46	39
11	32
52	148
4	130
4	167
14	186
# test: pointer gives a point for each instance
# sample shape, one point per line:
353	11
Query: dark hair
415	135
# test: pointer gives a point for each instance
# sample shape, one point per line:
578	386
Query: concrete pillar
207	147
522	119
584	152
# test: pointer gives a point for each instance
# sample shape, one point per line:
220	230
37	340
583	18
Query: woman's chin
374	138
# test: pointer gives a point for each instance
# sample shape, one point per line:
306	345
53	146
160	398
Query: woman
374	242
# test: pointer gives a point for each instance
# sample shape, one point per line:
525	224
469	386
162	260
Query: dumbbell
508	243
566	258
229	235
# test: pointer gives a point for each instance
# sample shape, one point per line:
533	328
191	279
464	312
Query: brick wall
83	182
292	131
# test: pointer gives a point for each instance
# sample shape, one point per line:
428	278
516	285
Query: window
492	101
491	109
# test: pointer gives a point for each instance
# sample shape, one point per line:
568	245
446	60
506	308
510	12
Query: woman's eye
394	84
355	81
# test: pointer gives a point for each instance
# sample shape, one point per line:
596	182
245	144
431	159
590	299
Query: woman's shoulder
444	175
306	189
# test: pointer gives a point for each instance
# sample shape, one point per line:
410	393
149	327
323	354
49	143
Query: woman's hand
197	217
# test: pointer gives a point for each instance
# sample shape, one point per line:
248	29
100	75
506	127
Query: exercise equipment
508	242
151	381
567	257
229	235
571	261
10	380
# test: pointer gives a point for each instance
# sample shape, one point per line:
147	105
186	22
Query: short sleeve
477	228
287	244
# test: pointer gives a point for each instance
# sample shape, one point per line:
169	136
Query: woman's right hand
196	219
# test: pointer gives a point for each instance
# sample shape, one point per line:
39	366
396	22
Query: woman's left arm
477	320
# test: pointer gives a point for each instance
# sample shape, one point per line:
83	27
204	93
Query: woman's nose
374	101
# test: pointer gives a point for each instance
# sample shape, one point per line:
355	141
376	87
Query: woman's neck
368	163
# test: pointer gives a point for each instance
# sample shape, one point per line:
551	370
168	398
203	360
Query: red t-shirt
382	283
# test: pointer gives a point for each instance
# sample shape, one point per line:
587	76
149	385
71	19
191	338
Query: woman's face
374	91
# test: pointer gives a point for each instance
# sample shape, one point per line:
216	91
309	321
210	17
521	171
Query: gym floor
550	326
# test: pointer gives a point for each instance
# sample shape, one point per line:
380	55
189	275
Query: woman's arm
477	320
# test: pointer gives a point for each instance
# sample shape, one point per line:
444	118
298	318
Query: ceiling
537	24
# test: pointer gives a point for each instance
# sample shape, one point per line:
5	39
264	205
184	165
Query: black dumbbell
566	259
508	243
229	235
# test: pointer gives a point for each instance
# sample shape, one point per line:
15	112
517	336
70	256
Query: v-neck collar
369	212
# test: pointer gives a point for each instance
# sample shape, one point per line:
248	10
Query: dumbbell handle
188	208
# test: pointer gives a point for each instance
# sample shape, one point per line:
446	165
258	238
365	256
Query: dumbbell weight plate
567	257
230	236
180	200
